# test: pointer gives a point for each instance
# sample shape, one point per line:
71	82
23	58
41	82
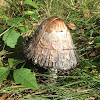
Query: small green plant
13	39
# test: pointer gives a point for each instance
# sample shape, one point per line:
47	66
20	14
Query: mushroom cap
52	46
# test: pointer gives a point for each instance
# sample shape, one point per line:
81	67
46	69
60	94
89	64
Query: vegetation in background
19	19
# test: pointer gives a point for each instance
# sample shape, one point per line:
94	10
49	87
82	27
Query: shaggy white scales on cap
52	46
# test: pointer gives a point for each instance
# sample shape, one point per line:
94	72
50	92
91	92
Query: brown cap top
54	23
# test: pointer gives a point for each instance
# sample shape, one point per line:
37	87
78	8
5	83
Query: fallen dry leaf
92	54
86	13
3	97
72	26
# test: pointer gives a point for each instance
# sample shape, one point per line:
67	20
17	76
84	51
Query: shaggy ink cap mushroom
52	46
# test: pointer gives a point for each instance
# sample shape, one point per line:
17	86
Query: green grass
82	83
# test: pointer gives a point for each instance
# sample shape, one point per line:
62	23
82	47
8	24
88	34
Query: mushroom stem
53	73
